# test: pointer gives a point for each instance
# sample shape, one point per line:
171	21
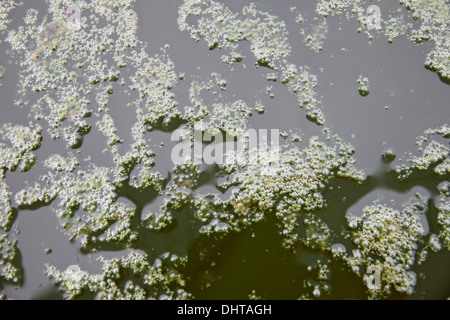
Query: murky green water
253	257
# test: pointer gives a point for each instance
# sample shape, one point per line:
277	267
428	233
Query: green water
405	99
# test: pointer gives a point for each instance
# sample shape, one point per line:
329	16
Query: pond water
267	237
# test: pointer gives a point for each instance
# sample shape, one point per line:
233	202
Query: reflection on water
110	115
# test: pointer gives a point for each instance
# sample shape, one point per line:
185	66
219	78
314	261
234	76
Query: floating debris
388	155
10	270
386	238
159	280
363	86
68	78
316	34
433	16
443	219
434	153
